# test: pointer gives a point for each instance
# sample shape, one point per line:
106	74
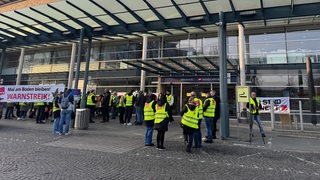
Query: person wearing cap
115	104
140	102
91	103
161	120
189	122
199	109
149	116
170	100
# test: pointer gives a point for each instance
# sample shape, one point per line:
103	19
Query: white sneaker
67	133
124	124
18	119
57	132
60	134
129	124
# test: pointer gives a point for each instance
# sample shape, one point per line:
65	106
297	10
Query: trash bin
82	119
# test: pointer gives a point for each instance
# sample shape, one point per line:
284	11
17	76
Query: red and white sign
281	104
29	93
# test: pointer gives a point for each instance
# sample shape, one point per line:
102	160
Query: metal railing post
301	115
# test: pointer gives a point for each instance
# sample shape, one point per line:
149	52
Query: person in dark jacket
189	122
149	116
106	106
56	113
140	102
161	120
217	113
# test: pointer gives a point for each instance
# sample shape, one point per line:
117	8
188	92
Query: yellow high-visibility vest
89	100
160	114
39	104
190	119
210	112
22	104
254	111
129	100
148	111
199	107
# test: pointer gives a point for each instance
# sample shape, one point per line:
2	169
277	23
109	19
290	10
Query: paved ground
113	151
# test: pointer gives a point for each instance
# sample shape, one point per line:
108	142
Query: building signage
243	93
29	93
281	104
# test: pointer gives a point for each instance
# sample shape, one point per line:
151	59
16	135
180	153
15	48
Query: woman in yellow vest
189	122
149	116
161	120
56	113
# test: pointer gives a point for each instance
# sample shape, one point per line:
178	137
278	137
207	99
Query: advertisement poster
29	93
281	104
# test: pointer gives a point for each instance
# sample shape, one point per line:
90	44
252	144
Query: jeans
149	132
65	116
139	113
56	125
9	112
198	136
22	114
258	120
209	121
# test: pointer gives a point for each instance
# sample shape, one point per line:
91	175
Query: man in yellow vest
189	122
91	104
209	107
23	110
149	116
255	105
197	134
129	101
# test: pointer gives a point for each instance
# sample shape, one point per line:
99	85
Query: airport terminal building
167	44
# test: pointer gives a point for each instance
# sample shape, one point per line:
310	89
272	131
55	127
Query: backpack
65	102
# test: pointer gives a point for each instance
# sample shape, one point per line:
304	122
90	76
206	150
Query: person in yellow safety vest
129	100
39	107
121	108
91	103
161	120
56	113
189	122
149	116
209	108
170	100
23	111
115	103
197	135
106	106
255	106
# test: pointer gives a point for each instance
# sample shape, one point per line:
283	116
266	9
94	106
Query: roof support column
224	125
3	55
144	57
86	73
241	46
71	66
76	80
21	60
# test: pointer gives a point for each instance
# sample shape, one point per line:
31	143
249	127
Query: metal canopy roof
62	21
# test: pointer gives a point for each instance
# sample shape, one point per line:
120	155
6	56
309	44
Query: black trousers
105	113
170	113
160	138
92	109
129	111
40	114
9	112
214	127
121	114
